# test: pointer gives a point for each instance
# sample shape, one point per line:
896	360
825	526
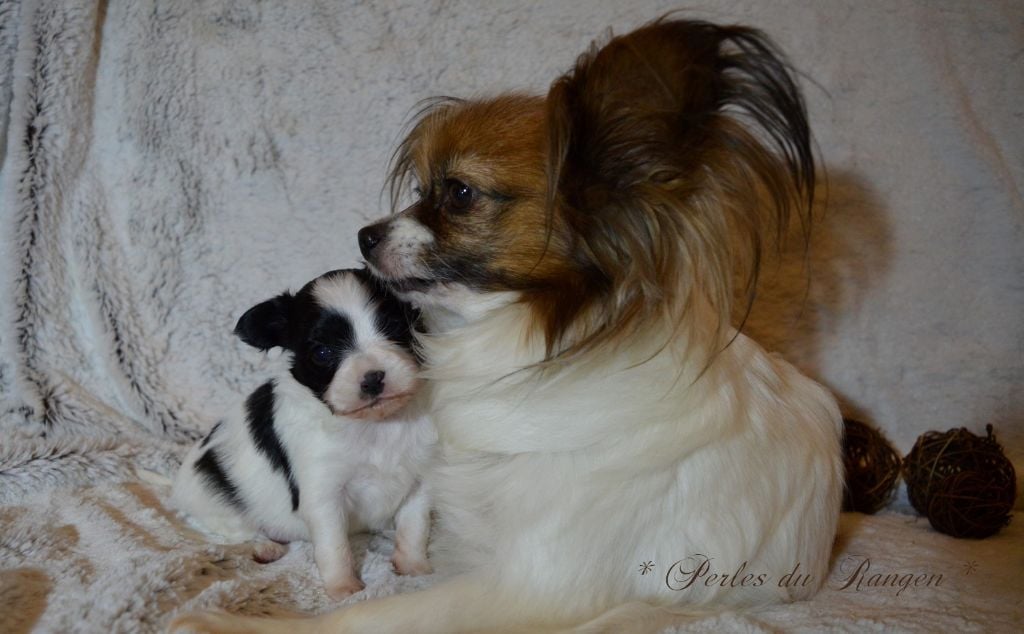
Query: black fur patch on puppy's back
259	409
209	436
209	467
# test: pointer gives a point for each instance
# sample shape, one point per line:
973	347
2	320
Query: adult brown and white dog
576	258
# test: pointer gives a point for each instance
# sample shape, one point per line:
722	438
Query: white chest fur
636	456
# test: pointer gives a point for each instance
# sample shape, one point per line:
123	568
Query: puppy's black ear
265	325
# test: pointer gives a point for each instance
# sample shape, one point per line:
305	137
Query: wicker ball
872	468
961	482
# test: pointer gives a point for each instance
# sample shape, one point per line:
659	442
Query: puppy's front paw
268	552
411	565
342	588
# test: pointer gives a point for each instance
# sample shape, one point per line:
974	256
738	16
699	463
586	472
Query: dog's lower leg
224	623
463	604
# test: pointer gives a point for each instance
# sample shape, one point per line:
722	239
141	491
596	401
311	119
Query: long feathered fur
674	163
671	166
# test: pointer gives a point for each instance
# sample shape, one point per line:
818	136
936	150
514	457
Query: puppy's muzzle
372	384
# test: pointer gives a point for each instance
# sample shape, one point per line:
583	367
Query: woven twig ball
872	468
961	482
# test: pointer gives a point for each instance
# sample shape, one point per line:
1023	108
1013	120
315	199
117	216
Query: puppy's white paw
268	552
411	565
341	588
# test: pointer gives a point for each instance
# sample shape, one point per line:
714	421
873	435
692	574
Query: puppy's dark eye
321	355
395	326
459	195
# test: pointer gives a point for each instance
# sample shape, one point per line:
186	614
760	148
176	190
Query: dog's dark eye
460	196
321	355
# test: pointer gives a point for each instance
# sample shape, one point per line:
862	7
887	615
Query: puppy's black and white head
349	338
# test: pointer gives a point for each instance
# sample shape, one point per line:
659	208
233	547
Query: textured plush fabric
115	559
166	165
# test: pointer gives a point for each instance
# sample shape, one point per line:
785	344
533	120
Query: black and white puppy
332	444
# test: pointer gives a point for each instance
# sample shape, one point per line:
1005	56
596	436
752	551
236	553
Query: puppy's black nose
370	237
373	383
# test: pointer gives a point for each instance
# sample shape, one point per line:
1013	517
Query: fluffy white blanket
165	165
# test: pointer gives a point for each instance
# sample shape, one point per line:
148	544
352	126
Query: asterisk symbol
646	567
970	566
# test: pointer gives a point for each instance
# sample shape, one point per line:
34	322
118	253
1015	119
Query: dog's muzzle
370	236
393	249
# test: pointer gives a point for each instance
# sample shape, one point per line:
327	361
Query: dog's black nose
370	237
373	383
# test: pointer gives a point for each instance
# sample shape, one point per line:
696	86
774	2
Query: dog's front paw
208	623
411	565
224	623
342	588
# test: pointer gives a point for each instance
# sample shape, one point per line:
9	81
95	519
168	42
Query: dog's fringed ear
675	152
265	325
